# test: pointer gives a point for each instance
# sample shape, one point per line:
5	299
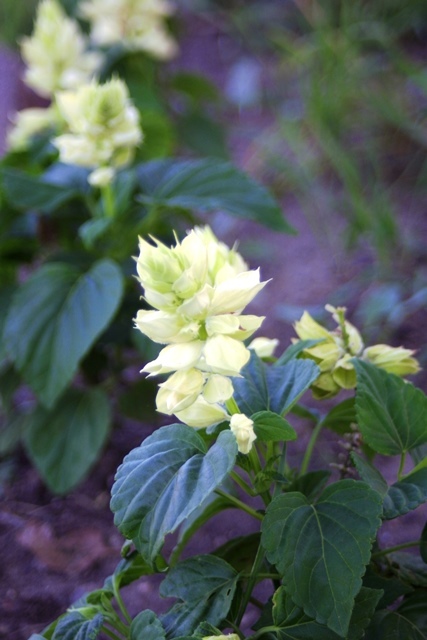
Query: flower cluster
335	349
199	289
102	128
136	24
56	54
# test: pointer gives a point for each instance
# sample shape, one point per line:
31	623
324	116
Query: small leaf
206	586
295	350
391	413
370	474
341	417
146	626
270	427
295	625
406	495
210	185
321	550
128	570
271	388
74	626
391	625
54	319
145	496
65	441
310	484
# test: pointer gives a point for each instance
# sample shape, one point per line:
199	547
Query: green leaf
28	192
391	587
55	317
128	570
423	544
406	495
295	350
414	608
321	550
370	474
271	388
240	552
65	441
75	627
270	427
205	585
391	413
341	417
6	296
310	484
145	496
202	135
91	230
296	625
391	625
209	185
409	568
146	626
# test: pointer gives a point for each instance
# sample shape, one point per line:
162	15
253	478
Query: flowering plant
314	563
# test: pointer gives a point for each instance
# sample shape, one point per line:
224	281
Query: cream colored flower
28	123
336	349
395	360
202	414
56	54
230	636
103	128
136	24
263	347
198	289
243	429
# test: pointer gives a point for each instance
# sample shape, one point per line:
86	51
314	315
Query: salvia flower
56	54
28	123
102	128
136	24
198	289
335	350
243	429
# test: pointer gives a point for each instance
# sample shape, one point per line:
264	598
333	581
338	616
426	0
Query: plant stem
242	484
120	603
239	504
232	406
281	468
261	632
108	201
398	547
401	466
259	559
110	633
310	447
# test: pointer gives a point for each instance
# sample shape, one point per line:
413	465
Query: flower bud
395	360
243	429
179	391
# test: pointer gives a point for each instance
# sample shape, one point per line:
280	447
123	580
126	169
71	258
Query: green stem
310	447
253	578
120	603
239	504
108	201
281	468
398	547
232	406
263	576
242	484
401	466
110	633
263	631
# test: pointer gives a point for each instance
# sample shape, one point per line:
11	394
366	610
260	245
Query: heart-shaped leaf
321	550
391	413
55	317
164	480
205	585
272	388
146	626
209	185
65	441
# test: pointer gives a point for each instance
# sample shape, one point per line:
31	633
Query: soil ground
53	550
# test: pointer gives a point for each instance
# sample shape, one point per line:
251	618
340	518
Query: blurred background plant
69	357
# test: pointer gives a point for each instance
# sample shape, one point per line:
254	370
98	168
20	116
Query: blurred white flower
56	53
136	24
263	347
28	123
102	128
